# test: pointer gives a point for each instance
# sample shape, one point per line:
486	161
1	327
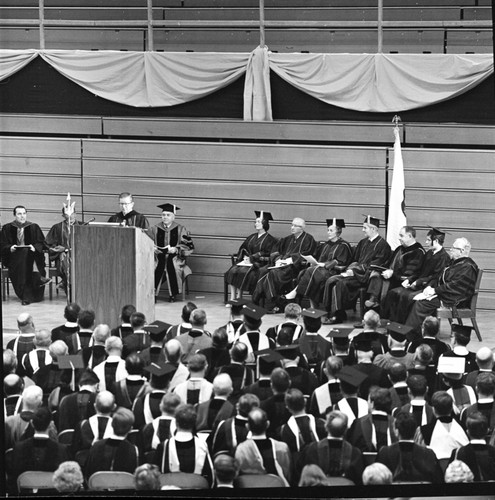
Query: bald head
484	358
222	385
173	351
42	338
12	384
58	348
258	421
32	397
25	323
105	403
101	334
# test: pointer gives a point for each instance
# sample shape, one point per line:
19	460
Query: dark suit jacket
112	454
74	408
480	458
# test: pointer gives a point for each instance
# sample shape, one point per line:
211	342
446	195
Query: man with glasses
455	285
128	216
285	264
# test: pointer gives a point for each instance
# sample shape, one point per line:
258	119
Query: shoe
45	281
275	310
171	298
25	303
371	303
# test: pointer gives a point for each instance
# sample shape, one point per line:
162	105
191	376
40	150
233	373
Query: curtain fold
361	82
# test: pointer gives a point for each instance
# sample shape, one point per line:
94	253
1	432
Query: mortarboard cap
362	342
352	376
436	232
463	330
269	355
157	330
313	313
372	220
340	335
253	312
71	361
263	215
336	222
168	207
160	369
289	351
451	366
398	331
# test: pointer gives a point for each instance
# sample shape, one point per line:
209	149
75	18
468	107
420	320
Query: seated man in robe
342	290
332	258
285	265
172	245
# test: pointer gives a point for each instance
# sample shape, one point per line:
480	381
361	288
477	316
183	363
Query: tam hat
372	220
362	342
351	376
336	222
340	336
160	370
463	330
436	232
168	207
313	313
157	330
268	360
398	331
289	351
263	215
70	361
253	312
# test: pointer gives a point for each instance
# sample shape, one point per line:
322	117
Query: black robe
258	249
25	280
133	219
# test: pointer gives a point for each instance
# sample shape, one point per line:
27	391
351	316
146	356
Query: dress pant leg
420	310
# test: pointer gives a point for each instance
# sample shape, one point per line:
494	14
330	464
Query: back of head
381	398
58	348
336	424
122	421
312	475
477	425
292	311
461	338
88	377
418	385
371	320
220	338
197	363
405	423
239	352
257	421
185	417
442	403
42	338
71	312
280	380
12	384
138	320
246	403
32	397
113	345
294	400
397	373
187	310
198	318
147	477
252	324
423	355
484	358
24	322
173	351
226	468
377	473
105	402
222	385
68	478
485	384
101	333
458	472
86	319
285	335
312	325
134	364
41	419
170	403
431	326
9	361
127	311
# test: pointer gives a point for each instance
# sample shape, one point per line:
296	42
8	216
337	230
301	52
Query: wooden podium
112	266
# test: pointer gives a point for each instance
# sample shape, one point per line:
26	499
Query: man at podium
172	245
128	216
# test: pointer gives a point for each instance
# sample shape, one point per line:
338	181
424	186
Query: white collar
135	377
117	438
261	436
418	402
70	324
26	334
125	324
379	412
183	436
42	435
477	441
219	485
460	350
113	357
485	400
400	384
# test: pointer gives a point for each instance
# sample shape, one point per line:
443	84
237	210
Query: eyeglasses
457	248
296	225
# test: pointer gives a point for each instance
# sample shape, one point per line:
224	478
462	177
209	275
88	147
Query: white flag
396	202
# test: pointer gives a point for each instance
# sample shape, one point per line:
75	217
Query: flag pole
69	210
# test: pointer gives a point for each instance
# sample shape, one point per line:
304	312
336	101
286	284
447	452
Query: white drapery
360	82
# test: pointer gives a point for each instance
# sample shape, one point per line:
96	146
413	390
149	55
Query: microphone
90	220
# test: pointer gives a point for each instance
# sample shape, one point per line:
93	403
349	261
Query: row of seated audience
178	397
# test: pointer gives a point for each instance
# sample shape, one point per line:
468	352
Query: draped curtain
360	82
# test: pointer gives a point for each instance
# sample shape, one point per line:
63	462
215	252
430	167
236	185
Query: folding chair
66	436
258	481
111	480
30	482
184	480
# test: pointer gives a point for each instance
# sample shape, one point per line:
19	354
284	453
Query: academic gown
258	249
479	457
336	255
133	219
275	282
112	455
26	268
341	292
171	268
228	435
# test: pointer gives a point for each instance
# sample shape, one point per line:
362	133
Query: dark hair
220	339
246	403
285	335
239	352
226	468
434	236
410	230
431	326
187	310
418	385
397	372
251	323
41	419
197	362
266	224
122	421
294	400
86	318
257	421
18	206
280	380
312	325
461	338
88	377
127	312
443	403
405	423
477	425
382	400
336	423
485	383
138	320
134	364
71	312
185	417
333	365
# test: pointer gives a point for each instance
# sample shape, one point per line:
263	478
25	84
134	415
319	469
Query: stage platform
50	313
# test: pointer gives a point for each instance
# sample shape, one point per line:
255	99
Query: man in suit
241	374
407	460
68	332
86	323
125	328
275	406
430	330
